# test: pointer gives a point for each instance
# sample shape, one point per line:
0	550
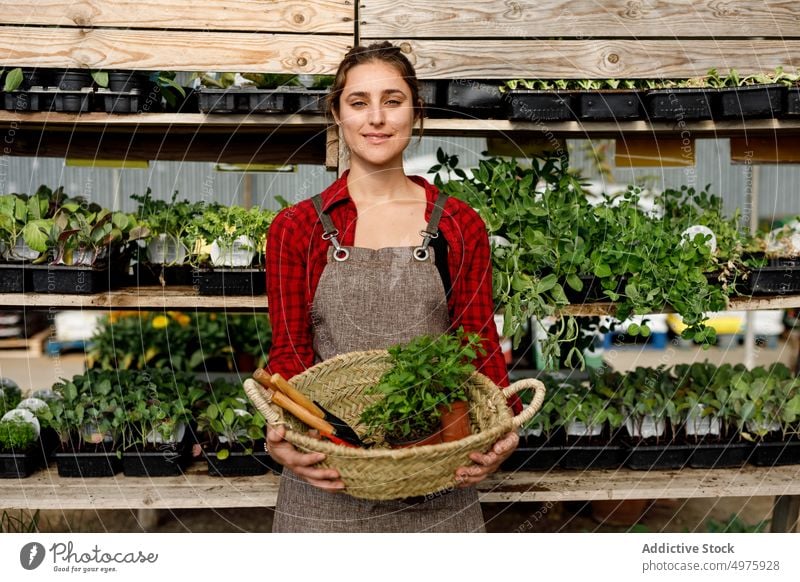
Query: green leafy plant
227	224
24	523
172	219
259	80
230	421
426	373
16	435
735	524
157	406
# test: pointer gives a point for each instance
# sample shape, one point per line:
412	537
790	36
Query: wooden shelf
584	129
133	298
46	490
161	298
254	139
737	304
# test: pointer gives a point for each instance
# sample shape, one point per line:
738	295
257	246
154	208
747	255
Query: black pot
35	78
73	79
126	81
757	101
593	453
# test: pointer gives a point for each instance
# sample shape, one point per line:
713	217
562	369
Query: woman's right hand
302	464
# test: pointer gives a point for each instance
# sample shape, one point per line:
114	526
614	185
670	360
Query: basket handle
538	398
261	399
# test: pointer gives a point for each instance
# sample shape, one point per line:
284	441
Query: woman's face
376	114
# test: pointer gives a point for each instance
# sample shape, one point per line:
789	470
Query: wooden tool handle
301	413
280	383
262	377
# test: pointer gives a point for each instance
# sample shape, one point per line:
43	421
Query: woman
377	259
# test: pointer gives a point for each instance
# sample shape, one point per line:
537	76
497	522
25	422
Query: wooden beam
593	59
145	298
46	490
581	19
172	122
104	48
522	130
320	16
234	148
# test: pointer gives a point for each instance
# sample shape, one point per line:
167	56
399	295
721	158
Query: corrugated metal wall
779	186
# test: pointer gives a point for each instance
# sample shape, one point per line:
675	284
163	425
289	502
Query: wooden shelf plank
178	50
586	129
599	18
603	58
160	298
46	490
133	298
328	16
158	122
757	303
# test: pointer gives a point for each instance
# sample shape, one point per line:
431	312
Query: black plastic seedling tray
530	105
757	101
15	278
70	280
88	464
680	104
230	281
245	100
474	99
605	105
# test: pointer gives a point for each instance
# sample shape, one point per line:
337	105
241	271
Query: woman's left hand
486	464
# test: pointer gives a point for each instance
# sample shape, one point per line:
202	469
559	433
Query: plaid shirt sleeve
473	304
292	349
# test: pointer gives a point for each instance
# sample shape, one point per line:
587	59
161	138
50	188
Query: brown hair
384	52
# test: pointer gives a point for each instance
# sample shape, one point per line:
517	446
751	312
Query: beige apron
371	299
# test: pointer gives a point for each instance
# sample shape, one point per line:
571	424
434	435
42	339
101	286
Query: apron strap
330	231
432	230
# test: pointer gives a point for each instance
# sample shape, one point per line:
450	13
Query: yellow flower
160	322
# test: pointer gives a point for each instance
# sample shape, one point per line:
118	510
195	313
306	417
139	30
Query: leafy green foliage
735	524
180	341
225	224
172	218
16	435
426	373
232	416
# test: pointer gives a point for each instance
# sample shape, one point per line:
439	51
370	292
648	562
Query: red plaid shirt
296	256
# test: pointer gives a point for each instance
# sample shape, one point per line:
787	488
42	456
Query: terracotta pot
432	439
619	512
455	421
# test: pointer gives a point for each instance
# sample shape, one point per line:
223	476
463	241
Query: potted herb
539	100
233	434
10	395
246	92
541	439
84	242
768	403
428	374
88	418
20	454
165	231
23	237
229	250
752	96
156	418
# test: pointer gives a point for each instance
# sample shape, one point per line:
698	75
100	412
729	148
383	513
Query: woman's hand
302	464
487	464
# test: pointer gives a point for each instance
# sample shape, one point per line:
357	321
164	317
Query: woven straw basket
379	473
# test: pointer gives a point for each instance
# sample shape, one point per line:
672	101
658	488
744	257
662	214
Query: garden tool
313	414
